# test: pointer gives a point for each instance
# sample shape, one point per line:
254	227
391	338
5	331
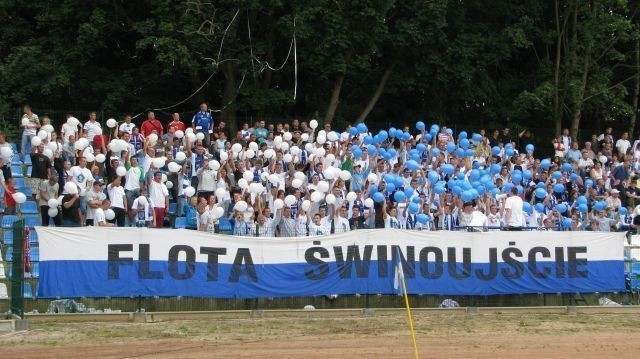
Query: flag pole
406	302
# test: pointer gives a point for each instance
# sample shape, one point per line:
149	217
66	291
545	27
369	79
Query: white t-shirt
158	192
514	203
116	195
98	217
132	178
127	127
142	210
317	230
91	129
80	177
68	130
31	124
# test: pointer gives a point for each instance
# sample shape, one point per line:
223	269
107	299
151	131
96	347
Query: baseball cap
98	181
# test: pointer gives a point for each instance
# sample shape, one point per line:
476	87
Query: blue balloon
376	139
399	196
556	175
527	174
392	132
480	189
451	147
413	208
545	164
383	135
378	197
464	143
449	131
462	135
541	185
428	137
489	186
439	189
520	189
510	152
474	175
574	176
459	152
599	206
476	137
558	188
399	182
468	152
373	189
391	187
408	192
435	127
583	208
495	168
412	165
484	179
566	167
456	190
435	151
371	149
516	177
388	178
526	206
588	183
392	152
416	200
353	131
406	136
467	196
561	207
433	176
362	128
420	126
508	146
421	147
582	200
447	168
540	193
357	153
368	140
422	218
529	148
495	150
474	193
539	207
459	176
566	222
622	210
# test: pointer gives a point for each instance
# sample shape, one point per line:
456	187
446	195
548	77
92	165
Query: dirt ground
438	336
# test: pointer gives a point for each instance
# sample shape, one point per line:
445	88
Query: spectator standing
159	195
9	202
41	169
118	200
513	214
92	127
176	123
71	216
151	124
49	190
30	124
202	122
127	126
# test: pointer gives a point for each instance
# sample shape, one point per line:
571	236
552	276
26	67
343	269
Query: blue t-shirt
203	121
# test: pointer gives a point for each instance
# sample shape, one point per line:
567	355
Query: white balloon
97	131
240	206
48	128
248	176
188	131
249	154
174	167
214	165
284	146
52	212
316	197
345	175
330	157
111	123
373	178
142	200
313	124
299	175
169	184
89	157
152	138
6	152
269	153
191	137
344	136
43	134
180	156
306	204
274	179
304	137
603	159
287	136
179	133
287	158
254	188
81	144
236	147
70	188
278	203
308	147
121	171
296	183
351	196
243	183
332	136
368	202
52	146
320	152
19	197
52	202
60	200
330	199
164	178
36	141
47	152
189	191
323	186
294	150
218	212
264	176
253	146
159	162
109	214
200	136
73	121
289	200
221	192
100	158
321	139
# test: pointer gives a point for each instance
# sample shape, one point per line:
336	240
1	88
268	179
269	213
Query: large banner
122	262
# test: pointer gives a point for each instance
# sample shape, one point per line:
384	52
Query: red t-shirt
179	125
149	125
98	141
8	197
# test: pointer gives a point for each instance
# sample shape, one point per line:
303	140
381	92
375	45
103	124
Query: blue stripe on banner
158	278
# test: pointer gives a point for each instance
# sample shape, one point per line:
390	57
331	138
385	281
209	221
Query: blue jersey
203	121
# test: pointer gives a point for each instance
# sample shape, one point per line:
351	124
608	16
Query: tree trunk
557	110
229	95
335	99
376	95
579	99
636	90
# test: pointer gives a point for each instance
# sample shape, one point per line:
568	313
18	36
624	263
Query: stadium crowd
296	179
